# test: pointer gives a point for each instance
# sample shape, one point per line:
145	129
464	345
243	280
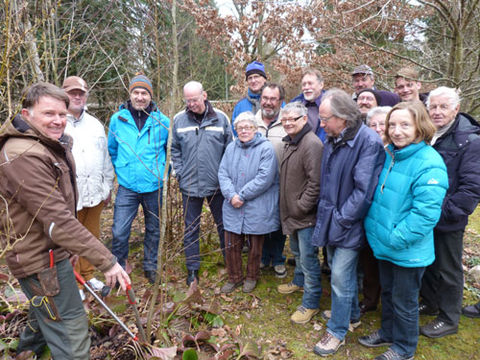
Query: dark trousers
192	211
58	321
234	244
442	286
273	245
371	280
400	287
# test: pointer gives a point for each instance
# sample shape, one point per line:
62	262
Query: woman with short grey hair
248	177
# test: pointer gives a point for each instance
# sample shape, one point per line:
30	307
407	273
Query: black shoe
364	308
373	340
150	276
472	311
291	261
192	275
392	355
424	309
438	328
325	268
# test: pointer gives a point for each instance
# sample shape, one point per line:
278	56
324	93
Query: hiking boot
472	311
230	286
249	285
191	276
327	314
288	288
150	276
424	309
328	345
438	328
392	355
373	340
303	315
280	271
96	284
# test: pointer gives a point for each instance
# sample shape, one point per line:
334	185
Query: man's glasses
285	120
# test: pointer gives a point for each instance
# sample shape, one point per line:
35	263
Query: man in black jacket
458	141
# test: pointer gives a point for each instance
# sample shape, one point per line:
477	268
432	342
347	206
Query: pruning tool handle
50	254
131	295
82	281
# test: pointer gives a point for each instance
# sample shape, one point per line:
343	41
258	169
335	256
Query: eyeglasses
193	100
270	99
325	119
284	121
442	107
244	128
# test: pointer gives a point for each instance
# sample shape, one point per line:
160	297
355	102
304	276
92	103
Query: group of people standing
374	177
394	201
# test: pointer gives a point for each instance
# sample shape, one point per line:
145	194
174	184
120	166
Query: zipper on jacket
388	172
149	136
196	131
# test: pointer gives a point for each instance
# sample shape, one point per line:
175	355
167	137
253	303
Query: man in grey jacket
200	135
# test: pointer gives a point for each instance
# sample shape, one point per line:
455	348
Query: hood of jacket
258	138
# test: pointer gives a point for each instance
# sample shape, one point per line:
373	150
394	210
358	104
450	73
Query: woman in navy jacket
399	225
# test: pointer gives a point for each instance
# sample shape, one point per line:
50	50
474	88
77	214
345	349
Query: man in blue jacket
201	134
311	97
256	77
458	141
353	157
137	141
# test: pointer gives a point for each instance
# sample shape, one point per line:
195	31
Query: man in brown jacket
39	230
299	190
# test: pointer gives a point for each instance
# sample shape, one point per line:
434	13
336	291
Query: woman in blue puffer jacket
249	181
399	225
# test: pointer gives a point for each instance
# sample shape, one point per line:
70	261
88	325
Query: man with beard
270	126
311	97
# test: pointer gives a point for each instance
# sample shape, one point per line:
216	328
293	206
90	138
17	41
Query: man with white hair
458	141
201	134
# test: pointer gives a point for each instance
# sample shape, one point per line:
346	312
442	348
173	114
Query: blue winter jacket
244	105
250	170
349	176
406	206
138	156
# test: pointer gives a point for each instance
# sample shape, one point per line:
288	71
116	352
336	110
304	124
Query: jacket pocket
336	232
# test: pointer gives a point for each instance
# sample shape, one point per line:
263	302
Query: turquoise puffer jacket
407	205
138	156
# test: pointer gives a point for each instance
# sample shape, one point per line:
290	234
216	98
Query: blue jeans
273	245
400	288
125	210
192	210
307	267
343	264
